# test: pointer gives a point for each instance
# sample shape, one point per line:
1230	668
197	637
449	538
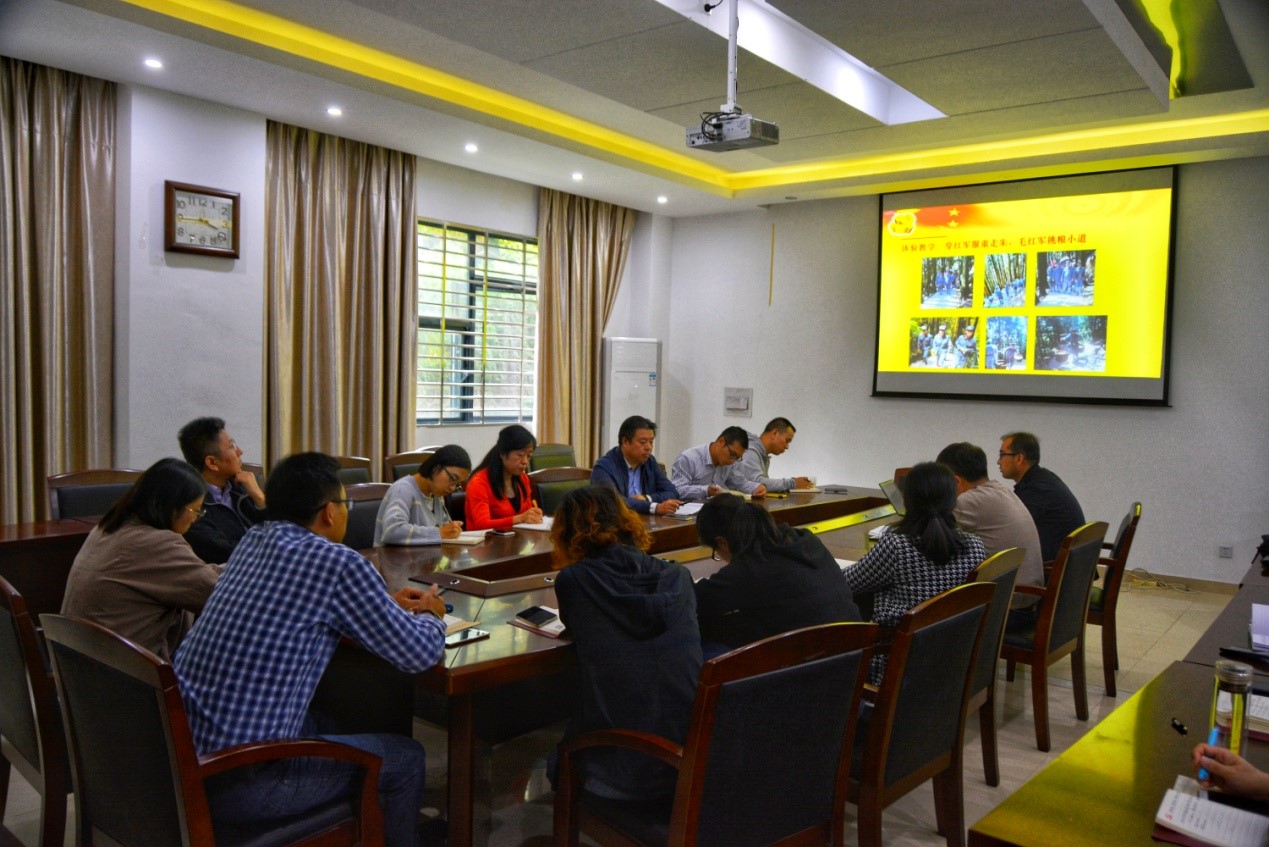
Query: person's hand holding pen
1223	769
452	529
532	515
417	600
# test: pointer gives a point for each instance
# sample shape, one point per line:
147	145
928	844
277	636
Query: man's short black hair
1026	444
968	461
780	425
633	424
199	439
300	485
735	435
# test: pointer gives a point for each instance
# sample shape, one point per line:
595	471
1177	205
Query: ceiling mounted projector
722	132
730	128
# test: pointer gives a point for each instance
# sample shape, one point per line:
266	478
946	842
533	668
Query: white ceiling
1003	72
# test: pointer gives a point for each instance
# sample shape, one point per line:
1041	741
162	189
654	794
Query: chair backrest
758	764
353	470
28	709
553	483
1106	598
362	513
899	475
552	456
919	713
1065	605
1001	570
128	738
403	464
81	494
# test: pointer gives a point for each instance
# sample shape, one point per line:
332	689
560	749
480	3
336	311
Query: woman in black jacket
633	621
777	578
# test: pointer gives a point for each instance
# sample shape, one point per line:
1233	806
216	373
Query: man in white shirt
990	510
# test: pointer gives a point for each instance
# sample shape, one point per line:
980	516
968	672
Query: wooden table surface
1107	786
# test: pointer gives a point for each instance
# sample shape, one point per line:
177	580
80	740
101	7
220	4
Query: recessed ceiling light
471	147
334	111
153	63
577	176
663	199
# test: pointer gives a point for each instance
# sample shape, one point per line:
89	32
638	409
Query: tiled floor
1156	628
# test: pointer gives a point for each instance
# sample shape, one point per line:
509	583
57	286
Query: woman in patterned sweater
922	555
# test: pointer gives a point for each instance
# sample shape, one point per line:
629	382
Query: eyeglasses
1002	454
734	453
198	513
453	479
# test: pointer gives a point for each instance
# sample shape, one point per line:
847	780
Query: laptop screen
891	489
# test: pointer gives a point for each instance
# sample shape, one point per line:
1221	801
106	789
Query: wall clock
201	220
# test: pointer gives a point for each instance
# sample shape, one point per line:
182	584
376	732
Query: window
478	318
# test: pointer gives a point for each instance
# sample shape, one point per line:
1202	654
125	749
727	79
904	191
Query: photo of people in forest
1071	343
1004	280
944	342
1006	344
1065	278
947	282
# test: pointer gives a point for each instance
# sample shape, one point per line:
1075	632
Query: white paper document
545	526
1207	821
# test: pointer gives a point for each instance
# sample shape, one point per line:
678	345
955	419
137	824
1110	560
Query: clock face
201	220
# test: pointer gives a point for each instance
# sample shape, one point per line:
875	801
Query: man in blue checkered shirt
249	667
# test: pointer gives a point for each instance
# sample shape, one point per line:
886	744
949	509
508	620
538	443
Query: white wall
1200	468
188	329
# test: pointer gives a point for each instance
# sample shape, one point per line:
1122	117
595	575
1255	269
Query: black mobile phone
465	636
503	533
536	615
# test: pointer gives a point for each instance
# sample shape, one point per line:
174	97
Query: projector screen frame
1117	391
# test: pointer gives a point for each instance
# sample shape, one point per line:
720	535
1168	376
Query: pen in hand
1212	738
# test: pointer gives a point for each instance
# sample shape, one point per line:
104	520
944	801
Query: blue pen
1212	738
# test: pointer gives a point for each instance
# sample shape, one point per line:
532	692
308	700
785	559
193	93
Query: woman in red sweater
498	493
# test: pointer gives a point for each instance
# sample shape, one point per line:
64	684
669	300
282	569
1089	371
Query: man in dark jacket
1053	507
234	501
632	470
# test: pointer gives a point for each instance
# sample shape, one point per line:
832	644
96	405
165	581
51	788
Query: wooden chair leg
868	820
987	731
1110	655
1010	668
5	769
1040	703
949	800
53	817
1079	683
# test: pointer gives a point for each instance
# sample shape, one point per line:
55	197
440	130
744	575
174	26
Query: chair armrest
1108	545
1037	590
272	751
870	692
1048	570
568	782
641	742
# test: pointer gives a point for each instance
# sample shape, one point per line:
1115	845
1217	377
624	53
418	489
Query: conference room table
1106	788
36	559
516	681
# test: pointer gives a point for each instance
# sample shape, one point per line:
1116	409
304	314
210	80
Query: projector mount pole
733	26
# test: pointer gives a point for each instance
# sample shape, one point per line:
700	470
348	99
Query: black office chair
81	494
552	456
552	484
758	765
131	750
1002	571
914	729
363	512
30	727
1058	628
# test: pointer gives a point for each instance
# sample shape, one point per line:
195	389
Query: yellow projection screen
1049	289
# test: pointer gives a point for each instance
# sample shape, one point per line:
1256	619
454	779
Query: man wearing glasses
234	501
701	472
250	665
1053	507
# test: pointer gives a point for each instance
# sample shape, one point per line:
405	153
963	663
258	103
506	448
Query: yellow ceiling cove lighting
295	39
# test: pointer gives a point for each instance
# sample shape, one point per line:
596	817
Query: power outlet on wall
1225	552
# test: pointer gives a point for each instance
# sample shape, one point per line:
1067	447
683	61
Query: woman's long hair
591	518
510	439
929	495
746	527
165	488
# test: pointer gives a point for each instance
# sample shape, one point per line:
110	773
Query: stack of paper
1258	717
1185	817
545	526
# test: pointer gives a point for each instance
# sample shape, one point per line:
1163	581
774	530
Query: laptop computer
891	489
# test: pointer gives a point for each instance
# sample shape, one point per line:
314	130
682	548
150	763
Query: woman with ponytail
922	555
777	578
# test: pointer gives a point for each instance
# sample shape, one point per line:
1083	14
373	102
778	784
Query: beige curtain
57	230
340	308
582	245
